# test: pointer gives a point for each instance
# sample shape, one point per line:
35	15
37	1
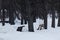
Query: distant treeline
29	11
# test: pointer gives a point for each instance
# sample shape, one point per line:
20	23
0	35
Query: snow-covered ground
8	32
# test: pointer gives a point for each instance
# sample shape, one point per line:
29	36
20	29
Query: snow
8	32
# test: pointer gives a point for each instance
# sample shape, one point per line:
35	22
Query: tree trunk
34	19
53	19
30	18
45	21
30	24
25	21
0	4
59	19
3	18
11	17
21	21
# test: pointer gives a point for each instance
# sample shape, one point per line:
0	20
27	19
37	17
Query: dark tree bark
11	10
25	21
30	18
26	11
3	12
21	21
53	18
34	19
0	4
58	10
30	24
45	20
3	18
11	17
51	7
58	19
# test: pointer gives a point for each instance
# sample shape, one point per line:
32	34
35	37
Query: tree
58	10
26	12
11	10
51	7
